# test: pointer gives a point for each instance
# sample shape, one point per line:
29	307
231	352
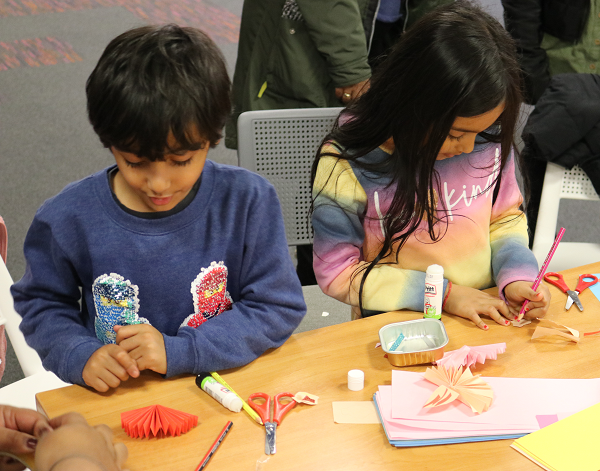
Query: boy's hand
470	303
539	302
108	366
145	345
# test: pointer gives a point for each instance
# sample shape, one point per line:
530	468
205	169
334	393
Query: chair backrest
281	146
561	183
28	358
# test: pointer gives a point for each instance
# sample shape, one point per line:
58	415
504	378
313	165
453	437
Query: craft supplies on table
423	341
271	416
567	445
540	276
584	281
407	423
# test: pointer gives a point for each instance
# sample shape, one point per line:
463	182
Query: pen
537	281
245	405
214	446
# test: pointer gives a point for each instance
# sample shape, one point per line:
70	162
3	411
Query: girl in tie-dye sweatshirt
420	171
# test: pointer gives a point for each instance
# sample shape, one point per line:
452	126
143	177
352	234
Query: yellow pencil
245	405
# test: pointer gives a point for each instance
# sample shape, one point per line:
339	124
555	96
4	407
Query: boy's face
146	186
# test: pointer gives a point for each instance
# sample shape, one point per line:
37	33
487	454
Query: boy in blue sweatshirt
166	261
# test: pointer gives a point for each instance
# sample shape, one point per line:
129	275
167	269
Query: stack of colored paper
157	421
567	445
520	406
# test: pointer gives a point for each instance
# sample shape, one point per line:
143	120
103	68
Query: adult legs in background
304	269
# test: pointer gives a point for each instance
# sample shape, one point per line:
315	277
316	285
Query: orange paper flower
157	421
456	383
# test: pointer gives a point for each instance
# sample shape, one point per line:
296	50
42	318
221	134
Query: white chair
28	358
281	145
37	379
561	183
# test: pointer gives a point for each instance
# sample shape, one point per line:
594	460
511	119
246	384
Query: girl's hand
471	303
518	291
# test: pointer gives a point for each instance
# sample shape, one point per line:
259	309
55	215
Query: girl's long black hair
456	61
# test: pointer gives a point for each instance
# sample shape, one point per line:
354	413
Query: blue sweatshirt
215	279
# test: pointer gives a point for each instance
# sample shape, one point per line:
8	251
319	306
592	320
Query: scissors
271	417
557	280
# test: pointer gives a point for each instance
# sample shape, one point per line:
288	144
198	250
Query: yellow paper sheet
355	412
568	445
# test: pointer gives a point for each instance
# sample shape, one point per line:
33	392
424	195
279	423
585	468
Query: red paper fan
157	421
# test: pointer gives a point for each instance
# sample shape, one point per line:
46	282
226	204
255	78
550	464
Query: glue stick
215	389
434	292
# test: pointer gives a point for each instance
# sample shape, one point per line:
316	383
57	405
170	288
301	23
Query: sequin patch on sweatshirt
211	297
116	301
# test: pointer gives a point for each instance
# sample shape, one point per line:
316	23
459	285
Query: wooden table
318	361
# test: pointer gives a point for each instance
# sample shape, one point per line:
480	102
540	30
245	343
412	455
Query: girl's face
463	132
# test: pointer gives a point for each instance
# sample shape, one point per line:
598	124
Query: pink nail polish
485	327
506	322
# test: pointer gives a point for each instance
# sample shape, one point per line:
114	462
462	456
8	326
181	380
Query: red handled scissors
271	417
557	280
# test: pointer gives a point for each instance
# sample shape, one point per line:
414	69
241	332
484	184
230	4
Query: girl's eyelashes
455	138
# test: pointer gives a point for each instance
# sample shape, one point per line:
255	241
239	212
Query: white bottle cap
356	380
435	272
232	402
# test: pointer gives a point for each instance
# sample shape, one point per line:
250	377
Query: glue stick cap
232	402
356	380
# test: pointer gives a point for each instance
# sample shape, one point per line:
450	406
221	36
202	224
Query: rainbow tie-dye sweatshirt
485	242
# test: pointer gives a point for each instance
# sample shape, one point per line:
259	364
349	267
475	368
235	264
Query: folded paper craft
467	356
554	328
157	421
456	383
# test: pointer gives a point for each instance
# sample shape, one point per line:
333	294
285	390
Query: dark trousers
304	269
536	169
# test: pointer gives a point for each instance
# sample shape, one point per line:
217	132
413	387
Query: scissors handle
557	280
582	284
280	408
263	409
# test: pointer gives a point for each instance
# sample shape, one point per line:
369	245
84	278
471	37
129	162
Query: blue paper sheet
596	288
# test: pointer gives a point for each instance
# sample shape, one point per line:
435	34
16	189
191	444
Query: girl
420	171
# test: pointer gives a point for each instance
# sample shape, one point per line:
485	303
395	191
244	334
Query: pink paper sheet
516	404
399	431
468	356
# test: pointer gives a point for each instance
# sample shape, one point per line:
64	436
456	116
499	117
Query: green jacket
294	53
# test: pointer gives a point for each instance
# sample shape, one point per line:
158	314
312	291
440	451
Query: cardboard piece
355	412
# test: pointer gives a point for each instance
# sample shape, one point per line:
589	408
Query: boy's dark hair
156	80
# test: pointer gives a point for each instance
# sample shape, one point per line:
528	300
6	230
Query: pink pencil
540	276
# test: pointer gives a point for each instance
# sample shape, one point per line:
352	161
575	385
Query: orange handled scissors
271	417
557	280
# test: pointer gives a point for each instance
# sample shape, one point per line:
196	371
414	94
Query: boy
111	258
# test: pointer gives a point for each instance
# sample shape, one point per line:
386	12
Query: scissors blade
575	299
571	298
271	429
